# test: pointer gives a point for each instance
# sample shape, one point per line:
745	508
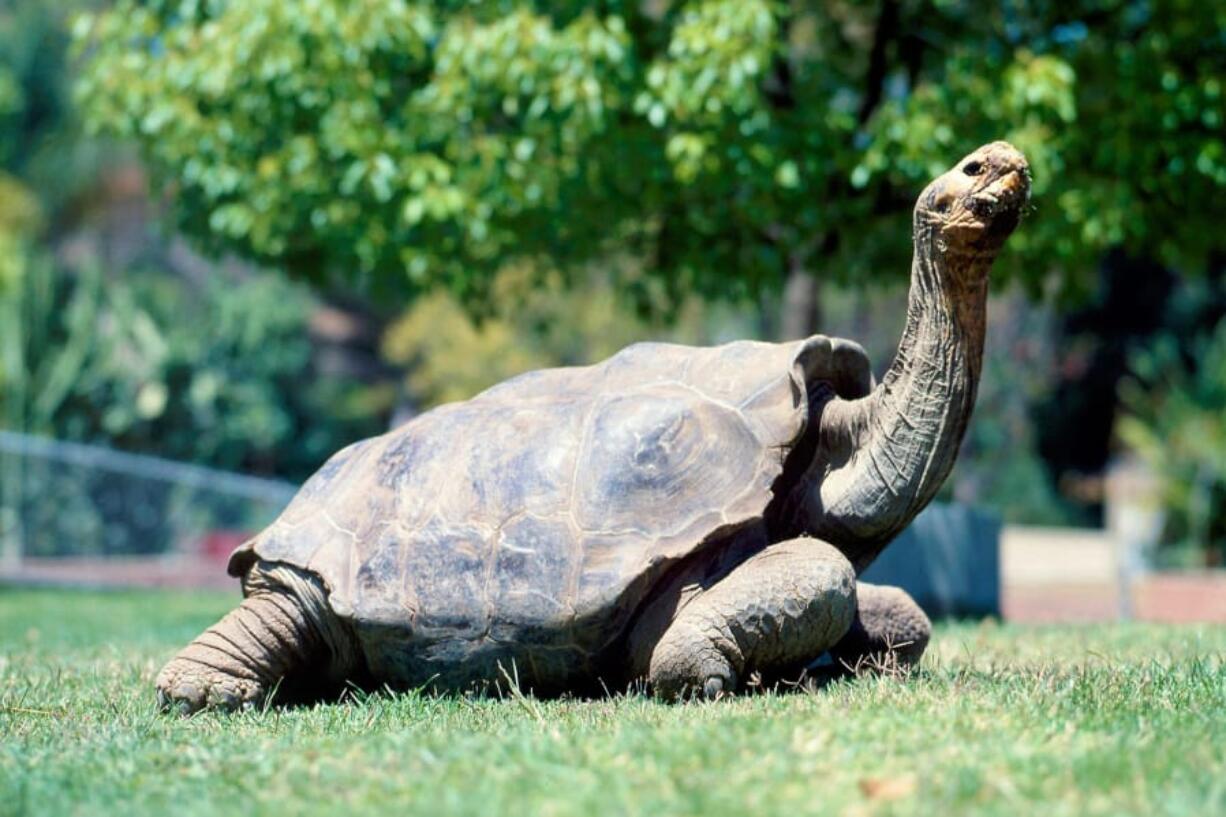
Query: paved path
1175	597
1070	574
123	571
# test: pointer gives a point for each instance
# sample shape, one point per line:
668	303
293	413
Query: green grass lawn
1001	720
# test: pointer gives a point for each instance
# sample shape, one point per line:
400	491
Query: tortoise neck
928	394
882	458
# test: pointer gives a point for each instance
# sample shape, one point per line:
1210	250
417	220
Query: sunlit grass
1001	720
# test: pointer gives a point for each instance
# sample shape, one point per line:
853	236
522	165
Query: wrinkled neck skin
880	459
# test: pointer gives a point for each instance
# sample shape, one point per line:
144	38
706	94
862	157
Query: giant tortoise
690	518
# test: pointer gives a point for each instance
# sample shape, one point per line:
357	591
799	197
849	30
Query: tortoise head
972	208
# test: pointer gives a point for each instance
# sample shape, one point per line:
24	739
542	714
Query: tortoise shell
527	525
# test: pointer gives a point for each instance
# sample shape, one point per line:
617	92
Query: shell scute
657	458
534	565
443	569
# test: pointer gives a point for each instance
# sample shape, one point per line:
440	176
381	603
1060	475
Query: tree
732	144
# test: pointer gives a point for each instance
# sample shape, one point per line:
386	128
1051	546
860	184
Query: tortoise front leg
890	630
282	630
777	610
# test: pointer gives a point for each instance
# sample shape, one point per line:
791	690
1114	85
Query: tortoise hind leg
890	630
283	630
777	610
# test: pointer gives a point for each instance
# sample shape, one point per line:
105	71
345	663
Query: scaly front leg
283	630
776	611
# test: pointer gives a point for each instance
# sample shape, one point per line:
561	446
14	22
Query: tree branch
874	80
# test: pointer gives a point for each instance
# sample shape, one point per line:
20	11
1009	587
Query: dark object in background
1137	299
948	560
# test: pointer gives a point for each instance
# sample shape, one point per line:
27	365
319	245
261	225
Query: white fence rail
67	499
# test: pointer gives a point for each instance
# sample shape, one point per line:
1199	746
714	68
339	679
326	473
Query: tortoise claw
713	689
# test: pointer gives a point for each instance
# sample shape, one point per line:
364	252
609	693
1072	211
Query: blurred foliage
148	359
409	145
20	213
535	324
20	217
10	93
41	138
1176	421
219	373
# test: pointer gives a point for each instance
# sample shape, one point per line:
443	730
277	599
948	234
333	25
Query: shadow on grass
306	693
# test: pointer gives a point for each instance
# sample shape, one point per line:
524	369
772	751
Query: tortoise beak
1000	198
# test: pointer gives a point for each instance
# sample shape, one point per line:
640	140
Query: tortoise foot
186	686
683	668
774	611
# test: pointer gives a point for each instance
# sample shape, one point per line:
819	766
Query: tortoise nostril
972	168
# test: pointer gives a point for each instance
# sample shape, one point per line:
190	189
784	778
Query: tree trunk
801	308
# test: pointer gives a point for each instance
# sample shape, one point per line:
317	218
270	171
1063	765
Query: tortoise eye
972	168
